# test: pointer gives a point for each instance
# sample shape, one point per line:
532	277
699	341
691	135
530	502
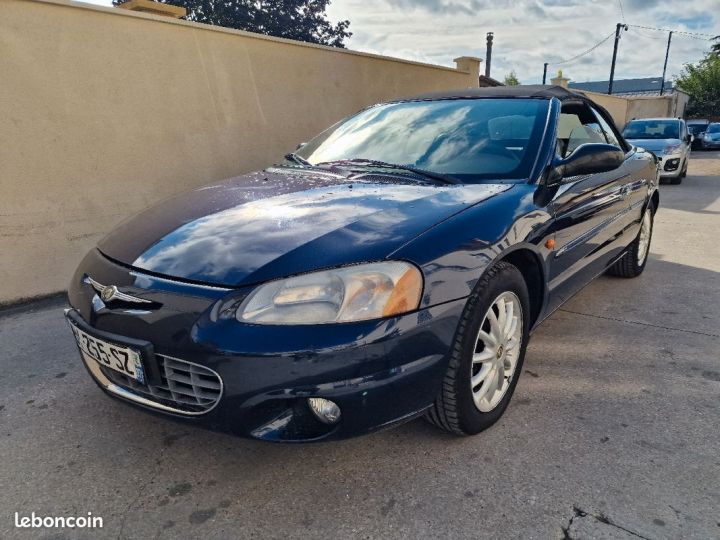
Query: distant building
486	81
649	86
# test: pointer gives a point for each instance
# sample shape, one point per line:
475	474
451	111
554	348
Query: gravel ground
612	433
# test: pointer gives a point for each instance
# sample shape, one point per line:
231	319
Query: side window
607	128
577	126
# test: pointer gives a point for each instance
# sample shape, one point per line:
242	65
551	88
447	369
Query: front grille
186	387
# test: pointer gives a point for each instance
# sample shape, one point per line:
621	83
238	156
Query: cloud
639	5
440	6
531	32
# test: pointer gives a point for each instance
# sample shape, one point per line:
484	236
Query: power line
696	35
591	49
622	11
646	36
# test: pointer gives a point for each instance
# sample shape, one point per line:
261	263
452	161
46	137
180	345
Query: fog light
672	164
327	411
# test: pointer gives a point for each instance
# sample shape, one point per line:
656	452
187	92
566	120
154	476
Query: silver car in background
711	137
668	139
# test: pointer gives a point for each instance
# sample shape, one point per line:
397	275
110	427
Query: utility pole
545	65
667	53
618	27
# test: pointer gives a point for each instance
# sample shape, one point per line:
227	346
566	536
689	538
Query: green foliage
702	82
511	79
302	20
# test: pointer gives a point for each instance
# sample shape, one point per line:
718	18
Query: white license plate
123	359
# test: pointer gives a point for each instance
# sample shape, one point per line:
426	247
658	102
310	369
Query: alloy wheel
644	238
497	349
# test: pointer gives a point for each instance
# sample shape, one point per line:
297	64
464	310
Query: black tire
454	409
684	170
627	266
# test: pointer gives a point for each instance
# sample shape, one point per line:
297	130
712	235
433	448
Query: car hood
654	145
285	221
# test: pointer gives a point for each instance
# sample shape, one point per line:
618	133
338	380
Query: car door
590	212
637	182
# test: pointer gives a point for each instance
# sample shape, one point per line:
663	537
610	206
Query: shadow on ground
611	417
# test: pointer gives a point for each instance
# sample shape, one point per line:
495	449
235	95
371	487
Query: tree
702	82
511	79
302	20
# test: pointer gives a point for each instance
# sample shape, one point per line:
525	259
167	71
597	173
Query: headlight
672	149
351	293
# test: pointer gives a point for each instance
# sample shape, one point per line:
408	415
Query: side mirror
690	138
590	158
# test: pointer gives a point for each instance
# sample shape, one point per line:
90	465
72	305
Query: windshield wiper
292	156
444	178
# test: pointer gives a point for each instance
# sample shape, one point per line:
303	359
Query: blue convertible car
392	267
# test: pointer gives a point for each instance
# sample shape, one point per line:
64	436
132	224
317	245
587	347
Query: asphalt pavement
613	432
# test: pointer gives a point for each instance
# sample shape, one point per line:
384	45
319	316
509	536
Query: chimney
560	80
488	54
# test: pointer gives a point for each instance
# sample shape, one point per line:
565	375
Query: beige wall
105	112
649	107
625	108
615	105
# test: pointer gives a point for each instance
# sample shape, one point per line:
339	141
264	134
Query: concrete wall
672	105
106	111
615	105
625	108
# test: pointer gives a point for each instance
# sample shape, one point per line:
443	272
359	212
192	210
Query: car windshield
469	139
713	128
697	128
652	129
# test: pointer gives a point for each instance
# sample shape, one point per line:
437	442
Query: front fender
455	254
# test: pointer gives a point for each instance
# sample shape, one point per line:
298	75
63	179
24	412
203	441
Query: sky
531	32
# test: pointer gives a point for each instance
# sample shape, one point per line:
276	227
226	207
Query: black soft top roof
520	91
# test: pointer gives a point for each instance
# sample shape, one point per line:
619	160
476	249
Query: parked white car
668	139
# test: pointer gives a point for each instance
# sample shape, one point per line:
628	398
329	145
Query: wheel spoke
487	339
488	388
481	375
483	356
495	326
513	328
502	316
509	318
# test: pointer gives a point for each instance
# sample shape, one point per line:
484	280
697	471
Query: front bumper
670	165
710	145
378	372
